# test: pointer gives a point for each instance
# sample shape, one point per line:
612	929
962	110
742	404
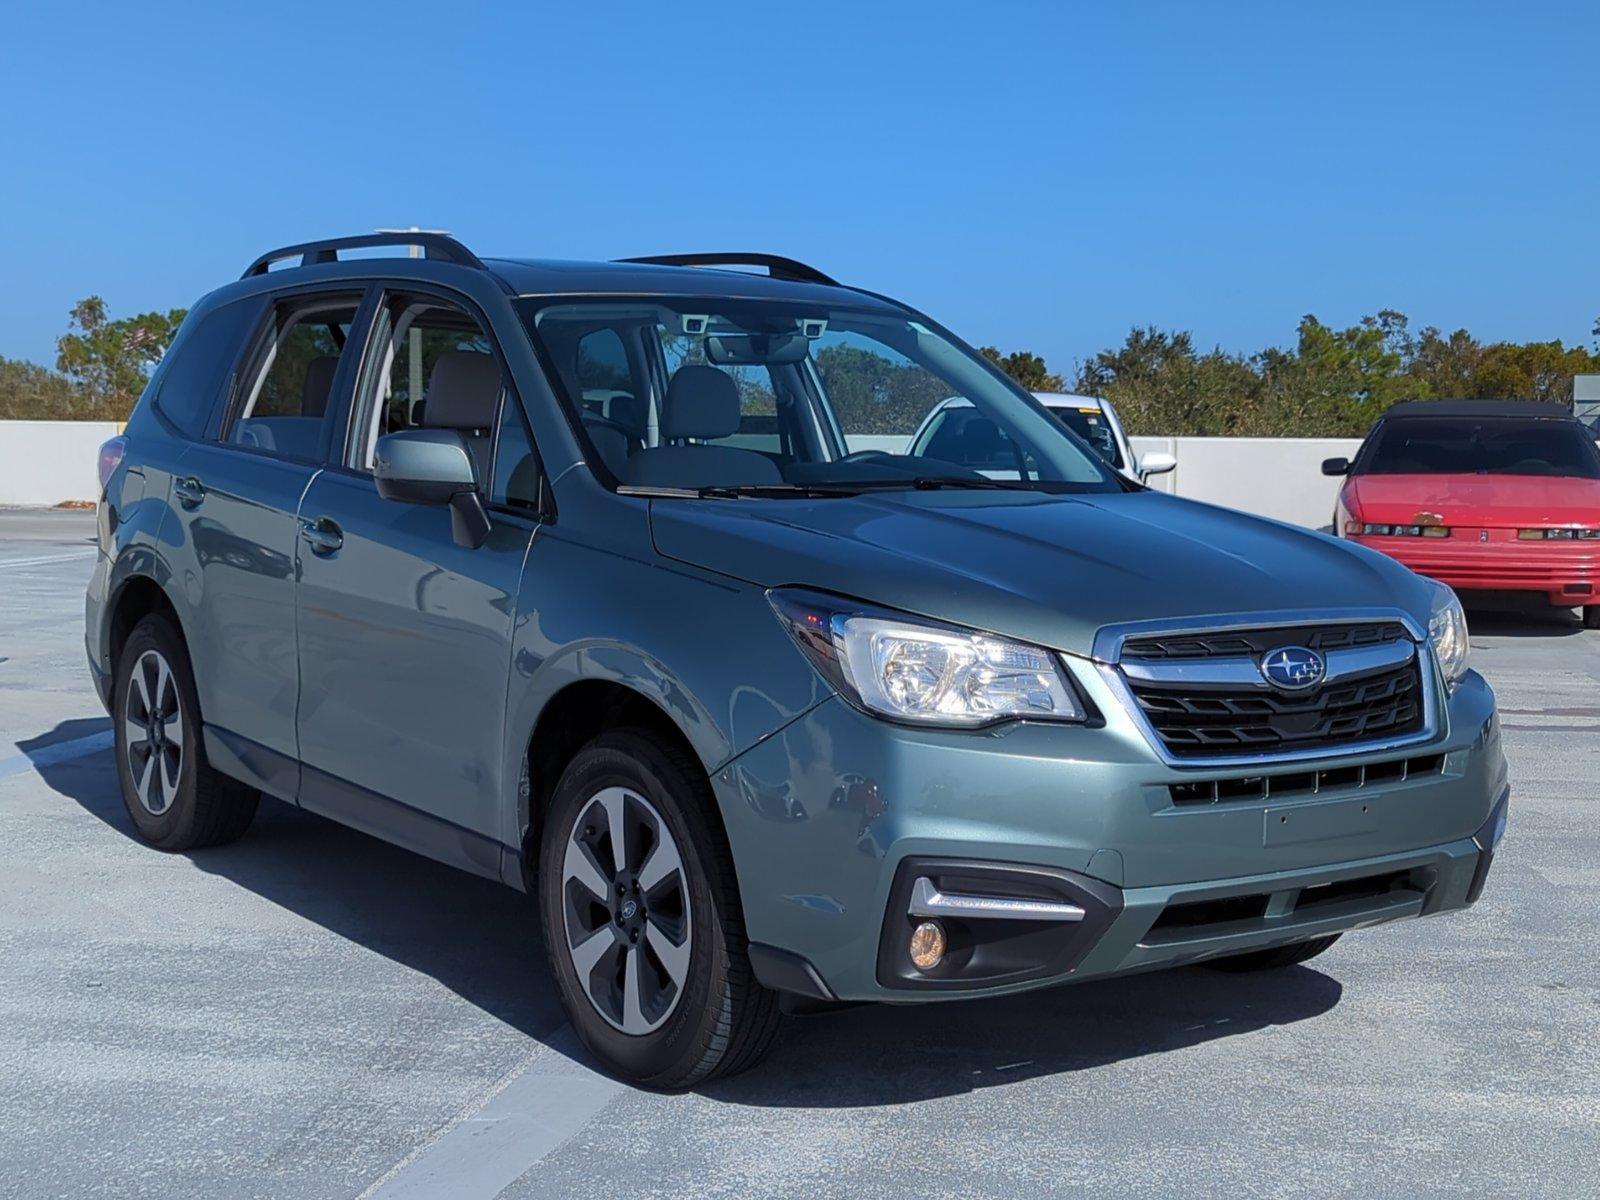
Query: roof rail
777	266
434	245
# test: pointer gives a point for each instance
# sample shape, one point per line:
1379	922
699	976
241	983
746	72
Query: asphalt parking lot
310	1013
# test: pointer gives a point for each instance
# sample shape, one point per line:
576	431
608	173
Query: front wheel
1591	616
1278	956
642	920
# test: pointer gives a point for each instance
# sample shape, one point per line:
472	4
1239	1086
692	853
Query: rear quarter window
200	365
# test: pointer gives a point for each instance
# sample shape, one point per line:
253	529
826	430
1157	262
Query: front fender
703	648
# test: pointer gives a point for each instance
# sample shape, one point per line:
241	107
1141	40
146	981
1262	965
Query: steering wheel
864	455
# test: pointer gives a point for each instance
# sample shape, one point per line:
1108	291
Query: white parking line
47	756
45	561
538	1111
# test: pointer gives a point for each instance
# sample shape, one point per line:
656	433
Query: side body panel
405	650
232	557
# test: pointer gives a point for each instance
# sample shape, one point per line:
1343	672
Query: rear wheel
642	919
1278	956
1591	616
175	798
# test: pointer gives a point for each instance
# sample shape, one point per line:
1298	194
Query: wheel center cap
630	909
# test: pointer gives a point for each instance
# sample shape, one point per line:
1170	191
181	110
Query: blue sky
1037	176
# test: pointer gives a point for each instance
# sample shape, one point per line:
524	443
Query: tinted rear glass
202	363
1493	446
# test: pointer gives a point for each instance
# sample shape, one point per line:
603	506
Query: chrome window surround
1110	639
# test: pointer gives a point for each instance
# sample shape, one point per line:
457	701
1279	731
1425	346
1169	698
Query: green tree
111	361
29	392
1026	368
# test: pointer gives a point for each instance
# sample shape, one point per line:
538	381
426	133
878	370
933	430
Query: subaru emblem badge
1293	668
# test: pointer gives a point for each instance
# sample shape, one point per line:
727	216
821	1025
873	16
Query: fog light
927	945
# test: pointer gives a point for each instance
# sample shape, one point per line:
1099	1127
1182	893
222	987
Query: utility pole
414	336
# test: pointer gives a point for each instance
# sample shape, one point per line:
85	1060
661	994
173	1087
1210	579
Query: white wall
1272	477
47	462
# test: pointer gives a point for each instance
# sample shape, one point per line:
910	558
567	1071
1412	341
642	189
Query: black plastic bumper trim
988	951
1485	841
786	971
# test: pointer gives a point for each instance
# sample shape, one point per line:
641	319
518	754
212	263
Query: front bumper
1567	572
825	816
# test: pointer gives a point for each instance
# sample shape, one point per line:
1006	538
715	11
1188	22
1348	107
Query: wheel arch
574	715
137	595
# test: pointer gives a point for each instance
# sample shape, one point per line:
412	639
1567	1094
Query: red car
1479	494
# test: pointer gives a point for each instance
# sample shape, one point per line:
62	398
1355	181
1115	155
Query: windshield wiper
930	483
733	491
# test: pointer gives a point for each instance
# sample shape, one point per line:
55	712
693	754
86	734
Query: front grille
1228	643
1196	717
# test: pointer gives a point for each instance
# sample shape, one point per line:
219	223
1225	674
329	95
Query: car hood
1490	501
1046	569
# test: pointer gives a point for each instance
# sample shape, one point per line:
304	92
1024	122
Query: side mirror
432	466
1336	466
1157	462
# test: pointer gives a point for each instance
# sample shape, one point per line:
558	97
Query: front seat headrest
318	385
701	402
463	391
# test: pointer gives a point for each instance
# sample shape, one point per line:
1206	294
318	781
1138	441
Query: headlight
1447	630
911	670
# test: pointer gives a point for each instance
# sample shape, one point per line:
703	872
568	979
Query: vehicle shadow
475	936
481	940
891	1054
1495	614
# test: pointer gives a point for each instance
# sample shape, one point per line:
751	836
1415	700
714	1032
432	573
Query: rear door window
283	395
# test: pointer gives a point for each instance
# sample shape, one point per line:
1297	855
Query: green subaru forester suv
617	582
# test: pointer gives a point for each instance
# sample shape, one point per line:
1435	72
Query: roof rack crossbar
438	246
778	267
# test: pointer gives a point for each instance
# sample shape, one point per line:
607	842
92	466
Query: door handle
189	491
322	535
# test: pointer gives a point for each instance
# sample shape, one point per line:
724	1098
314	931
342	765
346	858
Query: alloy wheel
627	914
153	732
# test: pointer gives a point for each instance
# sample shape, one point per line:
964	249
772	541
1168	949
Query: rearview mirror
432	466
756	349
1157	462
1336	466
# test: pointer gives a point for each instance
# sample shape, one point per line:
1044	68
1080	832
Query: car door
235	495
405	635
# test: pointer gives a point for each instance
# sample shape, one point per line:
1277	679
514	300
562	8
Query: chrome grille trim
1110	639
1244	672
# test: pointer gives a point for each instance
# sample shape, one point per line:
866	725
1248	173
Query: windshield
1091	425
1492	446
708	395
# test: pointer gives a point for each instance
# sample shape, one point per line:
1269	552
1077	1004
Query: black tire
720	1020
1591	616
196	805
1275	958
